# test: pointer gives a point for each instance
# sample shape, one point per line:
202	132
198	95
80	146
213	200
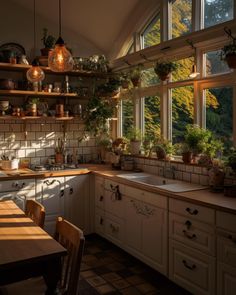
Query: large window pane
182	111
181	20
183	70
152	34
217	11
151	116
127	116
214	64
219	113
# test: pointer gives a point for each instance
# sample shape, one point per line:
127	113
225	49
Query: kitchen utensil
10	164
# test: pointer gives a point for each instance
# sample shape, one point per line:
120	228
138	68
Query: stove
54	167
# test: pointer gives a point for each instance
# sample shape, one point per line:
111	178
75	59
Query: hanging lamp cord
34	28
59	18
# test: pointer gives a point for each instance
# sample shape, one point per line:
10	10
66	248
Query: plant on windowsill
228	52
109	89
164	149
163	69
32	106
232	160
135	137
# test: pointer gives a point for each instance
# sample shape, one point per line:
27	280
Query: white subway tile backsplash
186	176
40	152
4	127
195	178
197	169
189	168
30	153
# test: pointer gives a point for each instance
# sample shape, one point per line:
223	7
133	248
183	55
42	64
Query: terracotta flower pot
231	60
135	81
45	51
164	77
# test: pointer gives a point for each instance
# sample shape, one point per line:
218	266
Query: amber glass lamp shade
60	59
35	73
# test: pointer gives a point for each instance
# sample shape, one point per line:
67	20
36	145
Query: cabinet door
50	192
77	201
133	223
99	222
226	279
154	236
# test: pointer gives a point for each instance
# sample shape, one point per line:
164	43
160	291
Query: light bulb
35	73
60	59
194	72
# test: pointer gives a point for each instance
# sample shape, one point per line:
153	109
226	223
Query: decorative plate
18	49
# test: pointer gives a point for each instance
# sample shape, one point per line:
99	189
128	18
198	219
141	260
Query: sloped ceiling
101	22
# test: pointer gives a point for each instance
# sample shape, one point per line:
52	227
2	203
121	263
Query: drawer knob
101	221
188	224
101	198
188	235
192	212
191	267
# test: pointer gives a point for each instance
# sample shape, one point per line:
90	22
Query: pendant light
35	73
60	59
194	73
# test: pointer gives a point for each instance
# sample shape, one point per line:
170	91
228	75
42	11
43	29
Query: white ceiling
103	23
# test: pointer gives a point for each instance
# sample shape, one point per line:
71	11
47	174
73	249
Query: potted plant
163	69
32	106
48	42
186	153
104	143
197	138
135	136
135	75
125	80
232	160
110	88
164	149
228	54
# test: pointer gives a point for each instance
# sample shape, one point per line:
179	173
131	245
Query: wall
41	139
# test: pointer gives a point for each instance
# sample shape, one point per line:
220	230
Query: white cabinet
226	253
18	191
192	250
77	201
50	192
146	227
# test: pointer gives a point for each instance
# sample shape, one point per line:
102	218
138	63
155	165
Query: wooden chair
70	237
35	211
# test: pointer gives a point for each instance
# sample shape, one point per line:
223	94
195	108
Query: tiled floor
106	269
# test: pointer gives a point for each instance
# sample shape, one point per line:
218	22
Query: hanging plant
163	69
135	75
228	52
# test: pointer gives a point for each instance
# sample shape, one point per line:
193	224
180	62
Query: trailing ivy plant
97	112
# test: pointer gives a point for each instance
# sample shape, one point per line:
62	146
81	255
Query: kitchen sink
171	185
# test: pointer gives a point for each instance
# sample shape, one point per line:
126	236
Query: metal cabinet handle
191	237
61	193
114	228
101	198
101	221
16	185
47	182
191	267
192	212
115	192
188	224
71	191
231	238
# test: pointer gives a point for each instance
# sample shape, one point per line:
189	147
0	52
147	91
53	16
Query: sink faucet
169	172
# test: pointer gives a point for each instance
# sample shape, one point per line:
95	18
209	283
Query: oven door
19	199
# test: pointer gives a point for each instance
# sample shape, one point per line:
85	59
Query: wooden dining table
26	250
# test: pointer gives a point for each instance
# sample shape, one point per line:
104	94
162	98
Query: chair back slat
35	211
72	238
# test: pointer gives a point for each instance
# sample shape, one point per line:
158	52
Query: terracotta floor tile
120	284
145	288
105	289
96	281
111	276
135	280
88	274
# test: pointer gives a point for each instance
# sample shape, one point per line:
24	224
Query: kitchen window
152	116
217	11
219	113
127	116
152	34
214	64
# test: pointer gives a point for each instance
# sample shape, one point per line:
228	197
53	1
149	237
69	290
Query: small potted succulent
48	42
163	69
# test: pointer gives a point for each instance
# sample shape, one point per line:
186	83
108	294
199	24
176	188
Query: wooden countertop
202	197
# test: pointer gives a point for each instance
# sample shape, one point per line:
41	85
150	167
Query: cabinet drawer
16	185
145	196
192	210
226	220
226	247
192	269
192	233
114	229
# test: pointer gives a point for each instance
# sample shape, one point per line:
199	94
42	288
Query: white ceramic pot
10	164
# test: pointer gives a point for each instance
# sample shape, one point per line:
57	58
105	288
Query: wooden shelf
36	118
20	67
35	93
